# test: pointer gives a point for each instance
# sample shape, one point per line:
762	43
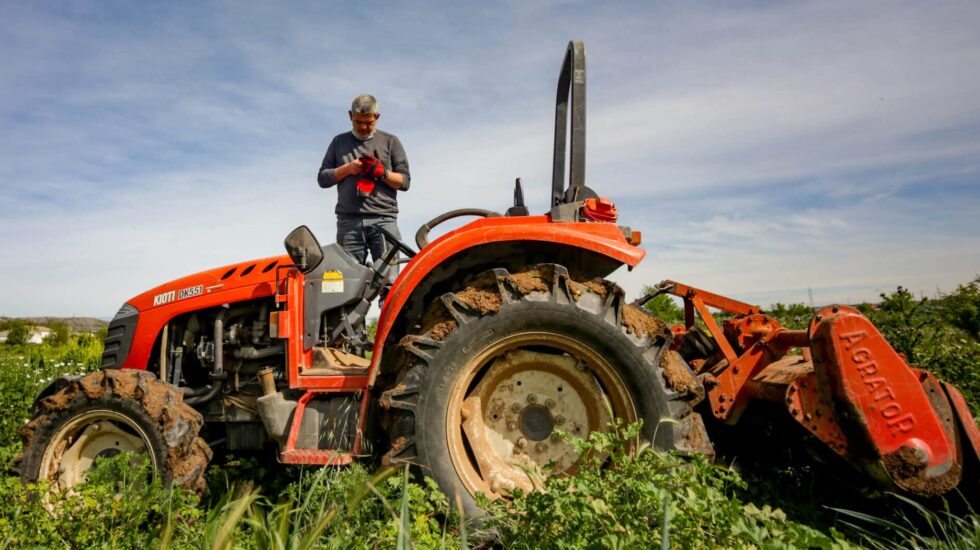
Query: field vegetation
775	498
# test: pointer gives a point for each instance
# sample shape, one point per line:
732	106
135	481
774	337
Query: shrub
622	500
664	307
792	316
962	308
60	334
18	332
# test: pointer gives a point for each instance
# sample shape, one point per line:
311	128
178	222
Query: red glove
373	168
365	187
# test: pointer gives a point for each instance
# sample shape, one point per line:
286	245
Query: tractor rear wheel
109	412
504	363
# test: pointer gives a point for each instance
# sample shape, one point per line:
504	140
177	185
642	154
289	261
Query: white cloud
762	150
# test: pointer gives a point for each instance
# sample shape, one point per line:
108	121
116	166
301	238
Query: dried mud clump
600	287
641	323
188	470
480	300
436	313
532	280
439	331
482	294
908	472
695	437
676	372
58	401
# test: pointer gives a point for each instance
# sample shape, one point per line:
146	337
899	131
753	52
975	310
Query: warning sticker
333	281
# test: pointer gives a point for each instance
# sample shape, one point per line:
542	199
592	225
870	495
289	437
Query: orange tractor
494	338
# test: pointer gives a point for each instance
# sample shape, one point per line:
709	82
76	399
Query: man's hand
373	168
352	168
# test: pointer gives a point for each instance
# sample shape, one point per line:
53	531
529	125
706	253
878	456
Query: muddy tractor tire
108	412
510	359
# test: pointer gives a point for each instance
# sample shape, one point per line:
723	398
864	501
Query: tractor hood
215	284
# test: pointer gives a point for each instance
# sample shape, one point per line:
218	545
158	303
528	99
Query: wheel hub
536	422
512	417
78	445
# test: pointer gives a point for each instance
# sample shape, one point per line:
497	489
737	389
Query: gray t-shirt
347	147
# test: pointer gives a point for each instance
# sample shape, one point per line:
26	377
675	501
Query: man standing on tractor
368	166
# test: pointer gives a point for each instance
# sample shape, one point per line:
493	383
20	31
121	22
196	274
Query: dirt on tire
187	455
482	295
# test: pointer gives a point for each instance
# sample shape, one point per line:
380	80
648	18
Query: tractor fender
599	248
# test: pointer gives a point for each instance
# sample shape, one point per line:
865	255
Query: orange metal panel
298	358
206	289
884	397
603	238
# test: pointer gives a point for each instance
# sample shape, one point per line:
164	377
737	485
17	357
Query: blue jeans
358	234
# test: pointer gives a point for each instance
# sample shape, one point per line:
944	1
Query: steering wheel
422	235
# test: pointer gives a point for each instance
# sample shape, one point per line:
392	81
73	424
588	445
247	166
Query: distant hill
75	324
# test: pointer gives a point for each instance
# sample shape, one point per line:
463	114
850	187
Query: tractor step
324	457
291	454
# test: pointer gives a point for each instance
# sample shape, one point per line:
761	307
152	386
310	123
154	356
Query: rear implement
897	424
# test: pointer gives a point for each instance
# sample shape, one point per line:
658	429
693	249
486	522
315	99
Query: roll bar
571	82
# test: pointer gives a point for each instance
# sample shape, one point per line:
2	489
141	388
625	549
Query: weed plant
645	499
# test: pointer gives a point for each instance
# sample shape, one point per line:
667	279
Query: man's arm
330	174
398	176
395	180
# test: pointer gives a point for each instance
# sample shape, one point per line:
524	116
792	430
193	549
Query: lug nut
555	438
550	403
559	420
540	447
516	407
531	398
512	425
522	442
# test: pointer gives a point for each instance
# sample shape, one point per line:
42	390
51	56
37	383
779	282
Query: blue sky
763	148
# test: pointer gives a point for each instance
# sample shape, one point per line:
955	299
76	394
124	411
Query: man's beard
363	137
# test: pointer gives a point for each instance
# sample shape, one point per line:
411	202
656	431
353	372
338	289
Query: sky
810	152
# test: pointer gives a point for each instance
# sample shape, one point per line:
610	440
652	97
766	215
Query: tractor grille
120	337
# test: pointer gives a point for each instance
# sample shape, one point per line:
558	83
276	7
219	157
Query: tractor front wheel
109	412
